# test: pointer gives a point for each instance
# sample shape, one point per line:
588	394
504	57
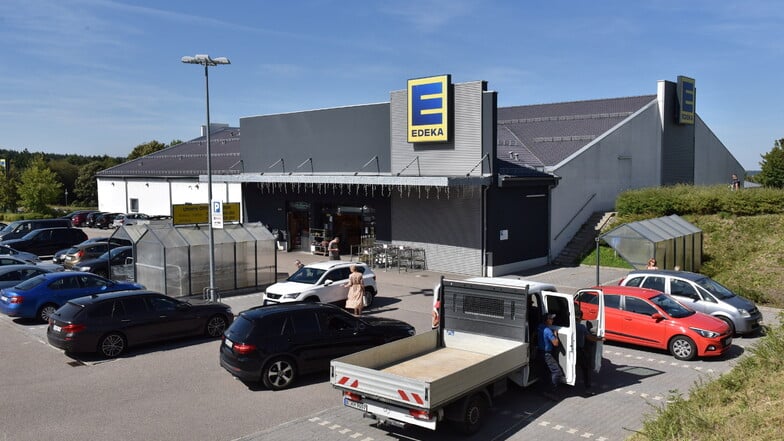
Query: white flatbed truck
484	337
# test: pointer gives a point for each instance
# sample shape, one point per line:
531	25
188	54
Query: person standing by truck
548	344
586	343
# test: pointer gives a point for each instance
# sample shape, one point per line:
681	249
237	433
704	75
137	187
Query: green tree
86	187
145	149
66	173
38	186
772	174
8	194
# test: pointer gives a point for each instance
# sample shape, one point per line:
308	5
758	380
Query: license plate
355	405
229	344
56	328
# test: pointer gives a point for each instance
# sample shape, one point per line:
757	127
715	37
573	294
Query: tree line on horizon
36	181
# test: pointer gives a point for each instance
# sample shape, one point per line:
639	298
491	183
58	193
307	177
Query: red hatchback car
647	317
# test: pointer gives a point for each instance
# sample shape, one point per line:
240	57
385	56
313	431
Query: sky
98	77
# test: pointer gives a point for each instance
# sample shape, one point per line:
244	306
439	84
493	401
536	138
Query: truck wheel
474	414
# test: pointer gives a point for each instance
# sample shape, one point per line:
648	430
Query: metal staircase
585	240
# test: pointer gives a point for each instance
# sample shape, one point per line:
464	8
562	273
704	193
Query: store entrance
298	224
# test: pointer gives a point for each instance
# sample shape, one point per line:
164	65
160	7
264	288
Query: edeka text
426	133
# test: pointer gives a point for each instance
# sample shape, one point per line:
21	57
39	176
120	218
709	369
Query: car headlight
84	268
412	331
705	333
291	296
744	313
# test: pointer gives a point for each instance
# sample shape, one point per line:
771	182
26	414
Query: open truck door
591	302
562	305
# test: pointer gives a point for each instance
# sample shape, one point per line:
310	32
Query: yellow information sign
187	214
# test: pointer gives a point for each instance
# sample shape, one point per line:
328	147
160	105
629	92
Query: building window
134	205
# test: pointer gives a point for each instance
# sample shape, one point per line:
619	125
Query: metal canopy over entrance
671	240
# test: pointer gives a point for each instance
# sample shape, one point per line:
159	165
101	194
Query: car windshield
306	275
30	283
671	306
10	227
715	288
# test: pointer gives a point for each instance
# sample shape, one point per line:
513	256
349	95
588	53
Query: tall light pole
207	61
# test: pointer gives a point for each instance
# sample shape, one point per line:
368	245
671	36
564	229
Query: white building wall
626	157
713	162
156	196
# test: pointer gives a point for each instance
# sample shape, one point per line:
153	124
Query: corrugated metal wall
456	157
448	228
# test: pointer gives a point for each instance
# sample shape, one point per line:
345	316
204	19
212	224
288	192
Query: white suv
321	282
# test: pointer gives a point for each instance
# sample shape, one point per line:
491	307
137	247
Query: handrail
575	216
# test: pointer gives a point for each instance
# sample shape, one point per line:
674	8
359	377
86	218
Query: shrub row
700	200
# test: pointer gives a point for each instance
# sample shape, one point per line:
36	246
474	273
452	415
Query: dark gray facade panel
339	140
522	213
455	157
678	143
448	226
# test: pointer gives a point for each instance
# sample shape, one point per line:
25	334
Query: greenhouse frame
175	260
671	240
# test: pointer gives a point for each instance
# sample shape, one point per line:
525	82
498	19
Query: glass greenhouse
671	240
176	260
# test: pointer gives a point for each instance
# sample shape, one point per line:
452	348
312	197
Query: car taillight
79	254
243	349
73	328
15	300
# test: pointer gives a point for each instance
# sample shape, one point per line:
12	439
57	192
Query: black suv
109	323
47	241
276	343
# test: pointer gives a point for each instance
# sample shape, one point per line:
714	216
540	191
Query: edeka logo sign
428	109
687	97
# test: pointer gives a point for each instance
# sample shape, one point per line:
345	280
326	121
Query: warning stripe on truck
345	380
415	397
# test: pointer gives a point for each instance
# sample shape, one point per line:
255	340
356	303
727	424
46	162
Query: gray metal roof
188	159
546	134
528	138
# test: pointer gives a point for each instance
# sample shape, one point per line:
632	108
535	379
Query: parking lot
178	391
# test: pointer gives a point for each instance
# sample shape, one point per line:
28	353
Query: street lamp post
66	197
207	61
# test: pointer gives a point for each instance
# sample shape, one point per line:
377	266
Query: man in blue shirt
548	342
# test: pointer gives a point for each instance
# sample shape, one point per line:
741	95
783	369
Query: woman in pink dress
356	291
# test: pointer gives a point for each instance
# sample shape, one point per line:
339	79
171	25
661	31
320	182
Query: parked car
16	260
321	282
130	219
78	219
89	220
47	241
59	256
105	220
703	294
110	323
651	318
6	250
41	295
11	275
86	251
275	344
117	260
20	228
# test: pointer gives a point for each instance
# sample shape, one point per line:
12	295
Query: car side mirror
328	282
656	316
183	306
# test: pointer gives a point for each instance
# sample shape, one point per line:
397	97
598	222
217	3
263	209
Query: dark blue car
40	296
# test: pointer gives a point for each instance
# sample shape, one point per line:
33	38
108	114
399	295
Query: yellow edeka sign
186	214
428	109
687	98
